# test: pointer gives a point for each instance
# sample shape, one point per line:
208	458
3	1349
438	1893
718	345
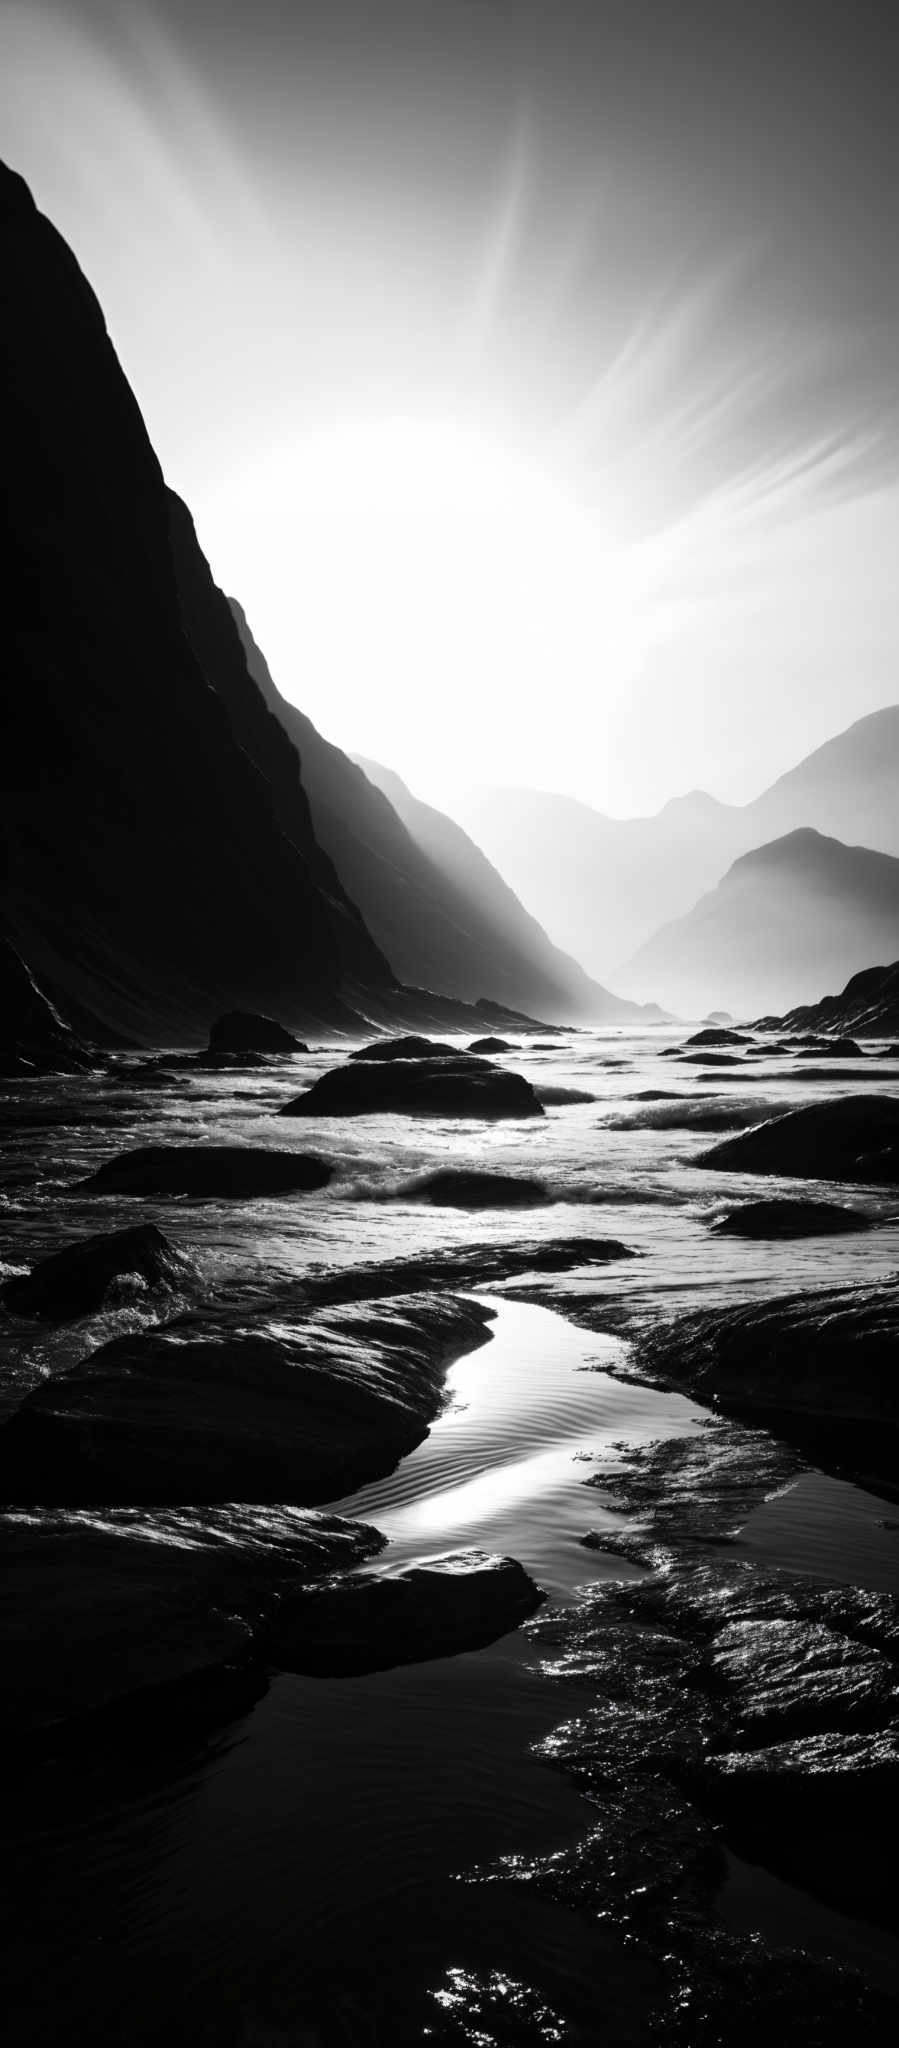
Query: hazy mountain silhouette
796	915
444	917
603	885
161	862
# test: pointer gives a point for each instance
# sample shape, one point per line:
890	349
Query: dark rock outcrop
75	1281
789	1219
240	1031
34	1038
854	1138
412	1047
490	1045
161	1608
820	1368
832	1049
460	1086
868	1007
237	1171
206	1409
431	1608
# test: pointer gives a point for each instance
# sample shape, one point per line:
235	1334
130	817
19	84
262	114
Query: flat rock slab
853	1138
790	1219
208	1409
108	1610
432	1608
820	1367
233	1171
242	1031
461	1086
75	1282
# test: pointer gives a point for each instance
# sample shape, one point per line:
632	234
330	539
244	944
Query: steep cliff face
160	860
445	917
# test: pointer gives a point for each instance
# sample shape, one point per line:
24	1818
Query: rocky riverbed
410	1633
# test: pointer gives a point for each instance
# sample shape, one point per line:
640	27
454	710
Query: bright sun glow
407	575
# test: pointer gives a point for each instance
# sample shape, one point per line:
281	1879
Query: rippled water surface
307	1863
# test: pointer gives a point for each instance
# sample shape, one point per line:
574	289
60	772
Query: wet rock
834	1048
462	1086
852	1138
152	1614
730	1113
432	1608
711	1036
488	1045
75	1281
711	1059
481	1265
789	1219
818	1367
241	1031
238	1171
409	1048
553	1097
300	1408
813	1808
467	1188
786	1677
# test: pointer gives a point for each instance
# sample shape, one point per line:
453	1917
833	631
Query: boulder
786	1677
488	1045
161	1608
434	1607
713	1036
789	1219
855	1137
462	1086
409	1048
242	1031
237	1171
75	1281
207	1409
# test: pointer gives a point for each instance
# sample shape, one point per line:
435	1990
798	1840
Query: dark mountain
785	918
868	1007
160	859
603	885
446	920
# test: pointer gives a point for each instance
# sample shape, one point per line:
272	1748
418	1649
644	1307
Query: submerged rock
241	1031
409	1048
711	1059
789	1219
210	1170
855	1137
468	1188
161	1609
479	1265
207	1409
74	1282
431	1608
461	1086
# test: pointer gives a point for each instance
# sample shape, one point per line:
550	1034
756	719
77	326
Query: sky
529	366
